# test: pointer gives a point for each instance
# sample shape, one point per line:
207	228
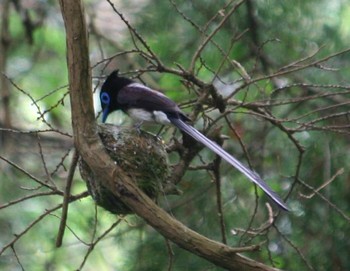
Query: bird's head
109	93
105	99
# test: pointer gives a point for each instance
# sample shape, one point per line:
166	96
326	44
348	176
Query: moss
141	155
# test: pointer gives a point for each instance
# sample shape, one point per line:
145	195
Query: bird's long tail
254	177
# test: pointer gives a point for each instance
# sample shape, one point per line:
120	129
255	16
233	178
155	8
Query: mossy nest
141	155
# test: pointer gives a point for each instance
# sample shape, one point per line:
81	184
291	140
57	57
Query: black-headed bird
144	104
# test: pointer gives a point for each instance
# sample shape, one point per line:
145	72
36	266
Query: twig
302	256
61	163
66	198
339	172
42	158
134	31
170	253
217	177
93	244
17	258
41	194
211	35
28	174
288	71
332	205
50	93
41	115
31	225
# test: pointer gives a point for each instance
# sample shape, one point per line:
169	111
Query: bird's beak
105	114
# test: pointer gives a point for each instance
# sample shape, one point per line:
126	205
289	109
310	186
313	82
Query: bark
92	151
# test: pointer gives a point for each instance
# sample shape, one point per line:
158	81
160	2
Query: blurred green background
269	36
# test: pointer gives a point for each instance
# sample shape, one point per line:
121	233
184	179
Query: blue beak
105	114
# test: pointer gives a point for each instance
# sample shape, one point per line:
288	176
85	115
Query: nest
141	155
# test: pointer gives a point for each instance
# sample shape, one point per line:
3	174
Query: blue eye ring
105	99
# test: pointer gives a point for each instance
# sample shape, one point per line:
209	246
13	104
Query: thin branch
301	254
30	175
93	244
217	178
41	114
171	254
41	194
287	71
17	258
332	205
212	34
134	31
37	220
42	158
66	198
30	226
339	172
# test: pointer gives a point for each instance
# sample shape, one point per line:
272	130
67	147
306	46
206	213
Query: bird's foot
137	126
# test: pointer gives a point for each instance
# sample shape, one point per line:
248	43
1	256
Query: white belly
146	116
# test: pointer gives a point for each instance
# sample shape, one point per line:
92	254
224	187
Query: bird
144	104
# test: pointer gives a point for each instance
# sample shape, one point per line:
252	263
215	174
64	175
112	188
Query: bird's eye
105	99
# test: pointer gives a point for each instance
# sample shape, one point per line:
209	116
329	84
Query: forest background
279	69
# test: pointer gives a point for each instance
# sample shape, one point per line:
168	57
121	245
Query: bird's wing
139	96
